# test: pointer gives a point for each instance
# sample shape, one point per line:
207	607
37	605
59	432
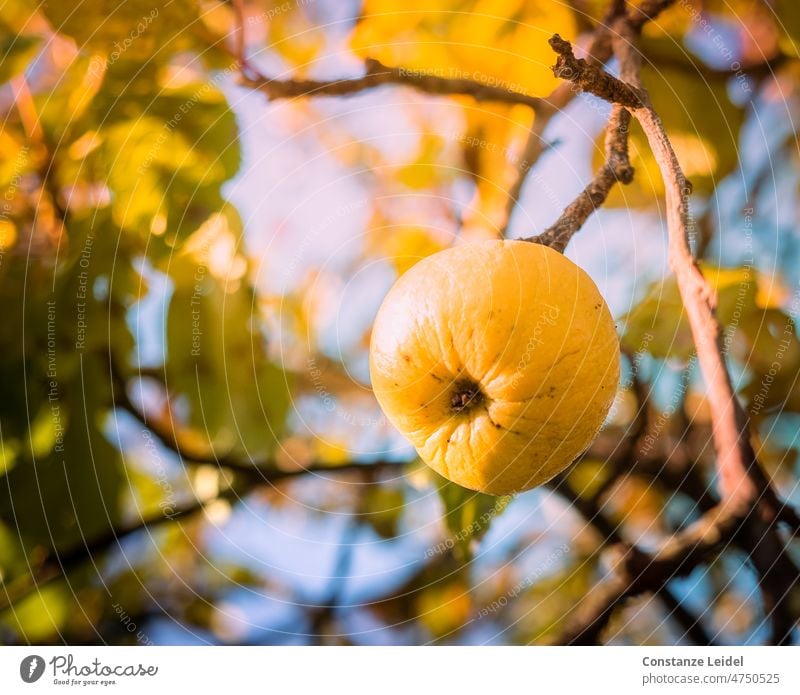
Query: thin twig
592	78
535	146
322	615
377	74
260	470
590	509
617	168
597	54
741	479
589	74
56	565
240	41
645	12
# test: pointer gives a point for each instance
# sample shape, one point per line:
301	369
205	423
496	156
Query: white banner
401	670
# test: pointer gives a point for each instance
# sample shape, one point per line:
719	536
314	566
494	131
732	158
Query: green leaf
556	595
702	123
165	165
588	476
64	485
72	494
760	337
216	357
467	515
137	29
658	323
382	509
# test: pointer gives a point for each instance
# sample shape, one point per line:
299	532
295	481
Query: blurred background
190	264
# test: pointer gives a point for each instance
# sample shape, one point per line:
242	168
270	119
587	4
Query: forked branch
748	504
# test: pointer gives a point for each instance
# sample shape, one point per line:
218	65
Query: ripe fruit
498	360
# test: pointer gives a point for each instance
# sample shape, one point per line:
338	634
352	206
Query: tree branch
379	75
262	471
592	78
636	572
646	11
252	474
744	486
617	168
597	54
534	148
56	565
692	627
589	509
741	479
592	511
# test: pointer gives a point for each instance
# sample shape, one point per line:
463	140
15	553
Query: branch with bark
266	470
742	480
750	508
636	572
617	168
249	476
378	75
58	564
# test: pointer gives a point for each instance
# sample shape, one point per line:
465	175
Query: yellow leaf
492	147
424	171
8	235
290	32
498	42
332	452
410	245
502	43
39	617
443	609
772	292
701	121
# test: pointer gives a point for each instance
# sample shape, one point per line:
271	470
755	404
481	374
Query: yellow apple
498	360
